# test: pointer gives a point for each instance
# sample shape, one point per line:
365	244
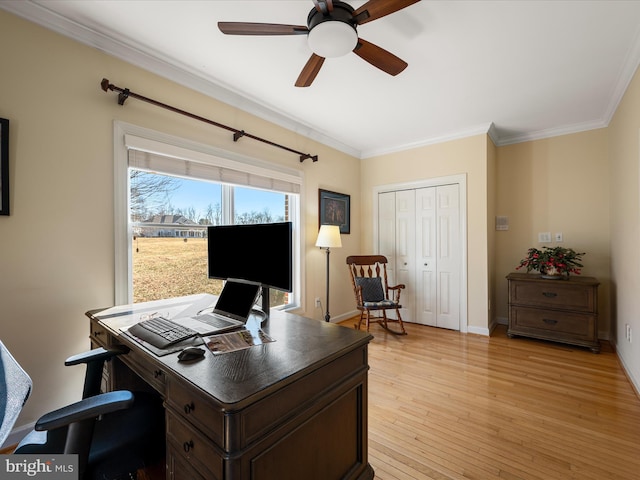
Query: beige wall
467	156
559	184
57	255
625	228
492	188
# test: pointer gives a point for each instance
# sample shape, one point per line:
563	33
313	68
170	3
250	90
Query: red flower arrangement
552	261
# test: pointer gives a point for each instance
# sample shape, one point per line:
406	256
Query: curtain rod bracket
122	96
237	134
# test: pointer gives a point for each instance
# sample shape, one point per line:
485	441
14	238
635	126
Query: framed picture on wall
4	166
335	209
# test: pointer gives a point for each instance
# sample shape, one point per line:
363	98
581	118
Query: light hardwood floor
446	405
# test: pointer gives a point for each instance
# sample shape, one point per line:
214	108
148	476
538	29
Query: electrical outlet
627	332
317	302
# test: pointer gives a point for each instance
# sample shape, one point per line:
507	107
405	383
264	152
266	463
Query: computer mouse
191	353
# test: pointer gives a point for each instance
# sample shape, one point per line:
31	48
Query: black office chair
114	434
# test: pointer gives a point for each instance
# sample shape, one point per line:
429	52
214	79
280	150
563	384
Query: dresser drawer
552	323
554	294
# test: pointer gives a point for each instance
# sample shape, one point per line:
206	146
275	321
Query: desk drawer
554	294
195	408
188	446
152	373
179	469
99	335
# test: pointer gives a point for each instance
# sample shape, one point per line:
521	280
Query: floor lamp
328	237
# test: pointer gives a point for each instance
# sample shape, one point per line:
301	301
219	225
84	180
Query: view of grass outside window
169	219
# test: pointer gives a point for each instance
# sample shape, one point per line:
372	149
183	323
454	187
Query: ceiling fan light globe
332	39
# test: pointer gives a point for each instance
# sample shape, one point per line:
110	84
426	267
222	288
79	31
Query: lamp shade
329	237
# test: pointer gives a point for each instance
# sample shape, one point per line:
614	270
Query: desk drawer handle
157	373
550	294
549	321
189	407
97	333
187	446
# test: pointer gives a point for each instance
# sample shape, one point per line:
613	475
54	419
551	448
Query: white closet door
448	256
419	233
406	251
387	231
426	258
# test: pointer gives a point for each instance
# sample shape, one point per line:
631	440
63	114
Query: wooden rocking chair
373	294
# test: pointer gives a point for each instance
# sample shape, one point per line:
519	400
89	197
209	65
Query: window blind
203	166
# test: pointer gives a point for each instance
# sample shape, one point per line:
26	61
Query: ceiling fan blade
379	57
248	28
374	9
323	6
310	70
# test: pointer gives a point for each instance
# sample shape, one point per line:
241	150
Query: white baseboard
635	382
478	330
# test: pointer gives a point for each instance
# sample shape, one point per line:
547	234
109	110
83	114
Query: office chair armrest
97	354
85	409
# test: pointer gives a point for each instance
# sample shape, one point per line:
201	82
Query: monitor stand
265	302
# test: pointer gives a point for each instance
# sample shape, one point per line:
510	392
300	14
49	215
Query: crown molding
549	133
471	132
155	62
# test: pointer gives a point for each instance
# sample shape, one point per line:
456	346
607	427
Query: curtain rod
237	134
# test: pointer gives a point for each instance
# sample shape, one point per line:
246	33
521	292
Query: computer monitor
258	253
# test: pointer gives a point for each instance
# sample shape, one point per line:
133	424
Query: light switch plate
544	237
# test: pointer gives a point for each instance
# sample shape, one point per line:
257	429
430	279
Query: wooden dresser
559	310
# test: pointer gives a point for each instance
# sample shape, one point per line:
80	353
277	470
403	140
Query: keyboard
161	332
215	320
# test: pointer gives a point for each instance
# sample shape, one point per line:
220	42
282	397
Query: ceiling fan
332	32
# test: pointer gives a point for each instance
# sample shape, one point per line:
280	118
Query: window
173	190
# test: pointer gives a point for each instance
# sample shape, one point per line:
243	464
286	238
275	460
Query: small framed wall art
4	166
335	209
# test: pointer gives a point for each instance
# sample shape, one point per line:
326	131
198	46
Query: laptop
231	311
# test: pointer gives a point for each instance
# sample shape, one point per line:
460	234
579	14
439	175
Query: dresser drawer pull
550	294
157	373
97	333
189	407
187	446
549	321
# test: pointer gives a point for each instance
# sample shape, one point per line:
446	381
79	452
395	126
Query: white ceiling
520	70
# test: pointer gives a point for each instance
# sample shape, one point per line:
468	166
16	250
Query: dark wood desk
294	409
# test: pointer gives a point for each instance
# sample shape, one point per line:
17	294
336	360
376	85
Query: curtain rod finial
105	84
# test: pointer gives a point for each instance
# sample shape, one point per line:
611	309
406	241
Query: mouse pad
238	340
